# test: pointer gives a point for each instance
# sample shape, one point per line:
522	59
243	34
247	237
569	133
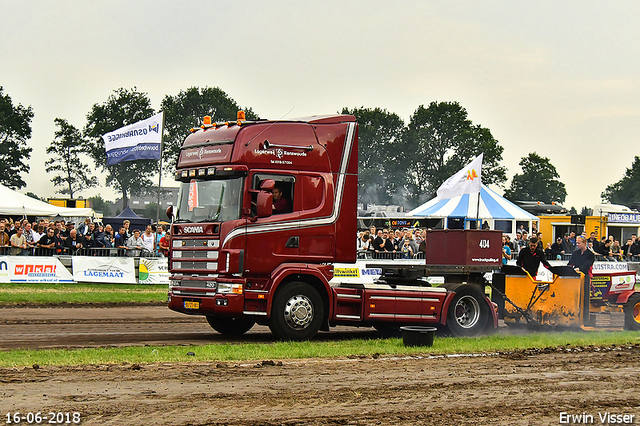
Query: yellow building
608	219
69	202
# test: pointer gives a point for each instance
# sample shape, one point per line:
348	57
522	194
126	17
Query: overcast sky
561	78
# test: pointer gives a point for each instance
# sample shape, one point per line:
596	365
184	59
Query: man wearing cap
557	249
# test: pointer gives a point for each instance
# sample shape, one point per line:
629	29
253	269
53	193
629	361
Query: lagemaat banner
153	270
138	141
33	269
114	270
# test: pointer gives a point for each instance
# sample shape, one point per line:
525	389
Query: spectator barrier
95	269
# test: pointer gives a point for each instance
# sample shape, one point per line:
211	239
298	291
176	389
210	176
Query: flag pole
159	175
478	209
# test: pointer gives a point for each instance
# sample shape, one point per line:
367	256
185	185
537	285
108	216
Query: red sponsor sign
30	269
192	201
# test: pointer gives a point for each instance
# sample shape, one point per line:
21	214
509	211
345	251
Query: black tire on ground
230	326
297	312
468	312
632	313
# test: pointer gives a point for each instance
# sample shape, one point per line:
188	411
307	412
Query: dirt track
523	388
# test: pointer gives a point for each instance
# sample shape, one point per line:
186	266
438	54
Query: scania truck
264	232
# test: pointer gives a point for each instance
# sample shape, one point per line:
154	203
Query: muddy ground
519	388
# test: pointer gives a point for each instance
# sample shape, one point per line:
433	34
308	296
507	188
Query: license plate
191	305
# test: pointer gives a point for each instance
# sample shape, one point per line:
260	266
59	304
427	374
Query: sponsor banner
33	269
113	270
623	282
346	272
624	218
138	141
604	267
4	269
153	271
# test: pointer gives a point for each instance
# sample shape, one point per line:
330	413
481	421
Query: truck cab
231	247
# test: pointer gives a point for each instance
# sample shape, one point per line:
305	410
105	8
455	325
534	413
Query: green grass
46	293
314	349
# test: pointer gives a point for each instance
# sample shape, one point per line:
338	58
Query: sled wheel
632	313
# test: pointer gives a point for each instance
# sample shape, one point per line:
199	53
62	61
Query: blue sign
624	217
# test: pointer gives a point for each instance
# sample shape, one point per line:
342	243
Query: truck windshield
209	200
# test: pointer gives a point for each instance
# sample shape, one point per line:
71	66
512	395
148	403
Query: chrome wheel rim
298	312
467	311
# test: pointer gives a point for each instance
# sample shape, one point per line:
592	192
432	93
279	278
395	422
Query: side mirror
170	212
264	204
267	185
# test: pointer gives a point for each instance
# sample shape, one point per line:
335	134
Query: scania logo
193	229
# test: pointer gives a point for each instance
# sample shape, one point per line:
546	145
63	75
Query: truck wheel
297	312
230	326
468	312
632	313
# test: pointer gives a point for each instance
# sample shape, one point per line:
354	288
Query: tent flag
137	141
466	181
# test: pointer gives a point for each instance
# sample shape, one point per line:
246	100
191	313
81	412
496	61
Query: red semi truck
265	211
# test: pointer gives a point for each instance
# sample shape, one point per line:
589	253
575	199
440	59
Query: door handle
292	242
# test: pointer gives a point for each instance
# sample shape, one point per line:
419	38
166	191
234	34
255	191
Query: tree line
399	163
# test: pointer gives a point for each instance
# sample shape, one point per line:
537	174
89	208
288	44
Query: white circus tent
492	207
17	204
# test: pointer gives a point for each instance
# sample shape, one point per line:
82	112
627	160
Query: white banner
113	270
153	270
33	269
466	181
138	141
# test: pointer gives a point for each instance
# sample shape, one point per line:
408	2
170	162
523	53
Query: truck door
274	240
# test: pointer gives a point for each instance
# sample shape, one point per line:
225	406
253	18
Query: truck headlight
229	288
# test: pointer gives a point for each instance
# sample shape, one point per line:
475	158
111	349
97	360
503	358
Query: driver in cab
280	204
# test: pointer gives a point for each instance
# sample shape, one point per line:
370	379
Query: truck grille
198	284
193	254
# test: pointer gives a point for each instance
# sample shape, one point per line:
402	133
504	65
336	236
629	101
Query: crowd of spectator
45	238
391	244
605	249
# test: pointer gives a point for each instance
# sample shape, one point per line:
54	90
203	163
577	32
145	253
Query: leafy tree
15	130
586	211
100	204
186	110
573	211
34	196
122	108
537	182
378	167
439	140
65	150
627	190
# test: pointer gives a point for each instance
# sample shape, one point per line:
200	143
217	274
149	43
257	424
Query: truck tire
632	313
297	312
230	326
468	312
